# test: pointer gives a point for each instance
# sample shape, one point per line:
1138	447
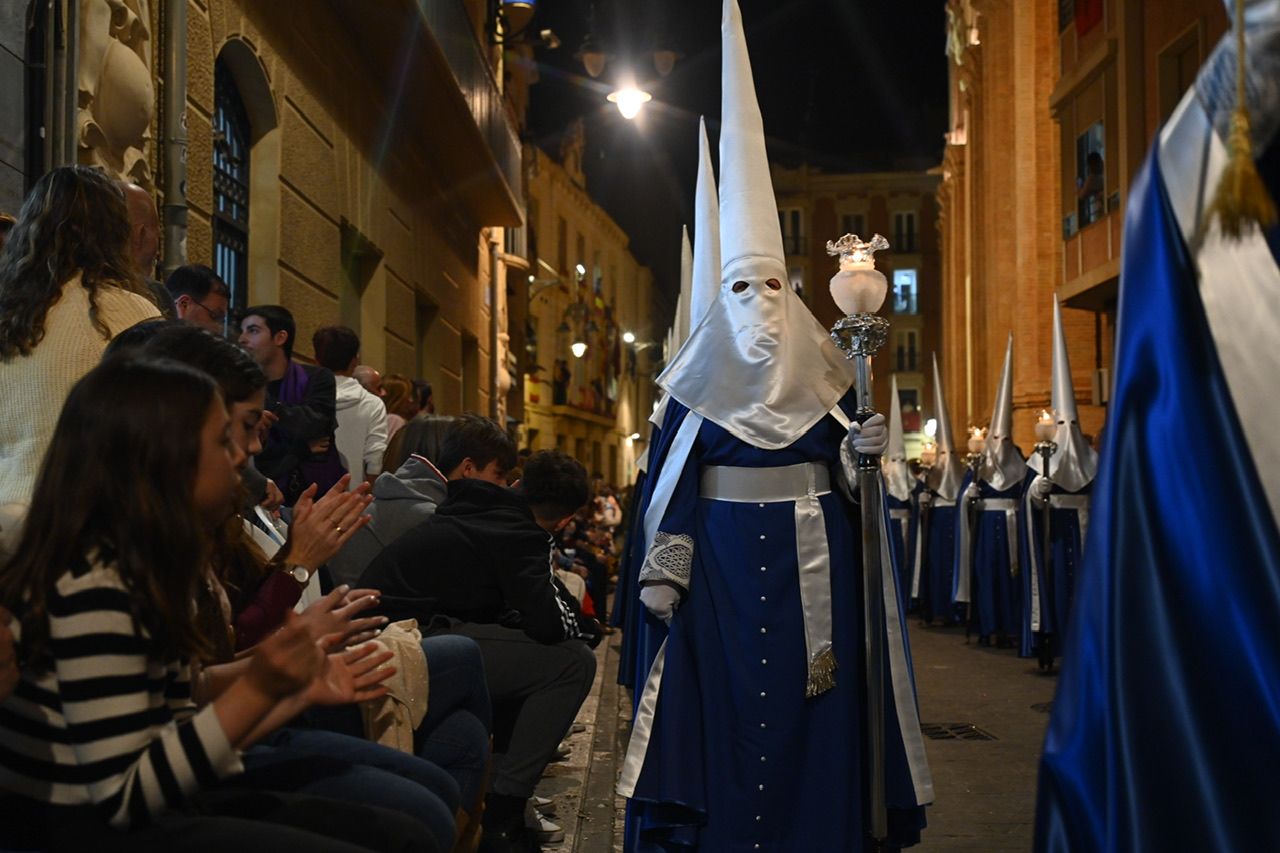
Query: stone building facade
358	163
1053	107
585	287
815	207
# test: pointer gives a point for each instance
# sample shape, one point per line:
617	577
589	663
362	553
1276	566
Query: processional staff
859	290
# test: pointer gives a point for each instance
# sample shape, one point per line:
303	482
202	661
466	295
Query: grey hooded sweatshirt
401	501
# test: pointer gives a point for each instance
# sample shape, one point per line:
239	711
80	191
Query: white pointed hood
706	234
758	363
1002	462
897	474
680	330
947	473
1074	464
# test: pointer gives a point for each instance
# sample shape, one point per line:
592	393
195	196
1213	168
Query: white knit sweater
33	389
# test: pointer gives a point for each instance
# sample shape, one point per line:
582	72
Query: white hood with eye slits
758	363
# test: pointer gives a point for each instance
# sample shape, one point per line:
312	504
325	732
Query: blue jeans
326	764
454	734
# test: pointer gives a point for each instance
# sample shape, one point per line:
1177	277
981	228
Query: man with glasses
199	297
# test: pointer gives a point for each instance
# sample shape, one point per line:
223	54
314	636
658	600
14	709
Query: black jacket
299	424
481	558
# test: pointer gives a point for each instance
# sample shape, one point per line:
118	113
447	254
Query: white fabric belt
901	513
998	504
765	485
1069	501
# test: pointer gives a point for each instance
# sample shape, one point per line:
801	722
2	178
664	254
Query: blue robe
900	530
1065	550
737	755
995	590
936	546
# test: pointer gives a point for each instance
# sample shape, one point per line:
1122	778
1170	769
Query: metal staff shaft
872	507
1046	449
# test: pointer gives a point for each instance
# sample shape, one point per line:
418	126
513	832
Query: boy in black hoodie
482	567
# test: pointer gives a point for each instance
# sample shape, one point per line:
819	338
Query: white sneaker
547	831
578	728
546	805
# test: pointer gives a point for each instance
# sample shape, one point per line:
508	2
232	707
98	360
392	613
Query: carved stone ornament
116	93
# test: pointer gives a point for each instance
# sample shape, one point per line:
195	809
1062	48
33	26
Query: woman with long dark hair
102	739
67	287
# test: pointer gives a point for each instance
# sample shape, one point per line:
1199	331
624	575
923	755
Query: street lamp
628	337
629	100
578	348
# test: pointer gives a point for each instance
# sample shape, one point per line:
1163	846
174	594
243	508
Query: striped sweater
108	725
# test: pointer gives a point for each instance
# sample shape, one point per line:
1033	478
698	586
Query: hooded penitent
680	332
947	473
1074	464
1002	461
758	364
706	234
897	476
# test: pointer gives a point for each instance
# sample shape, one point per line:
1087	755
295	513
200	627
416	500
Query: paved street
985	788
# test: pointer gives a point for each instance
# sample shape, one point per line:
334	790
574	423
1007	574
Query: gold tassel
1241	198
822	674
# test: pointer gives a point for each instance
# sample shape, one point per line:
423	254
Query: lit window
904	292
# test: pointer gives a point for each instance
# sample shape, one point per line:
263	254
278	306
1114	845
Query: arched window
230	186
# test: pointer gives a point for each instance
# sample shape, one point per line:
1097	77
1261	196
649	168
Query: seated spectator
67	287
140	472
199	297
408	497
401	402
262	593
301	405
362	418
144	243
370	379
481	567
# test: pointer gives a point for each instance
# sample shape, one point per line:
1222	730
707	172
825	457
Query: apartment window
906	350
230	186
1091	182
904	292
853	223
909	399
792	231
904	231
796	275
1176	69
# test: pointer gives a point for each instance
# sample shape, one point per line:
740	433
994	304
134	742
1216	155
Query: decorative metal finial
853	250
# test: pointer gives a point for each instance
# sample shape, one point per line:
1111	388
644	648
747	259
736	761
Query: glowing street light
629	100
578	348
628	337
581	270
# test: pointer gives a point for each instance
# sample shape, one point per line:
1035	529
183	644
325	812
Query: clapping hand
320	528
331	620
354	675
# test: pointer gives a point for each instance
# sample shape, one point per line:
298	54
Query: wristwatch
298	573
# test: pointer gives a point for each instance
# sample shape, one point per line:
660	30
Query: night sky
845	85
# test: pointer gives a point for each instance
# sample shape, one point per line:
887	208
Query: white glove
926	498
660	599
974	492
1040	488
871	437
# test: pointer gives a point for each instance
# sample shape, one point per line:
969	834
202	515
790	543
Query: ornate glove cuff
670	559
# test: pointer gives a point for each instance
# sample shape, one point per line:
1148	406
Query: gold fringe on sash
1241	198
822	674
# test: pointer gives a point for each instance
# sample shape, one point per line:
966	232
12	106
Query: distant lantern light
593	56
581	270
518	13
531	279
635	436
931	427
578	348
628	337
629	100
